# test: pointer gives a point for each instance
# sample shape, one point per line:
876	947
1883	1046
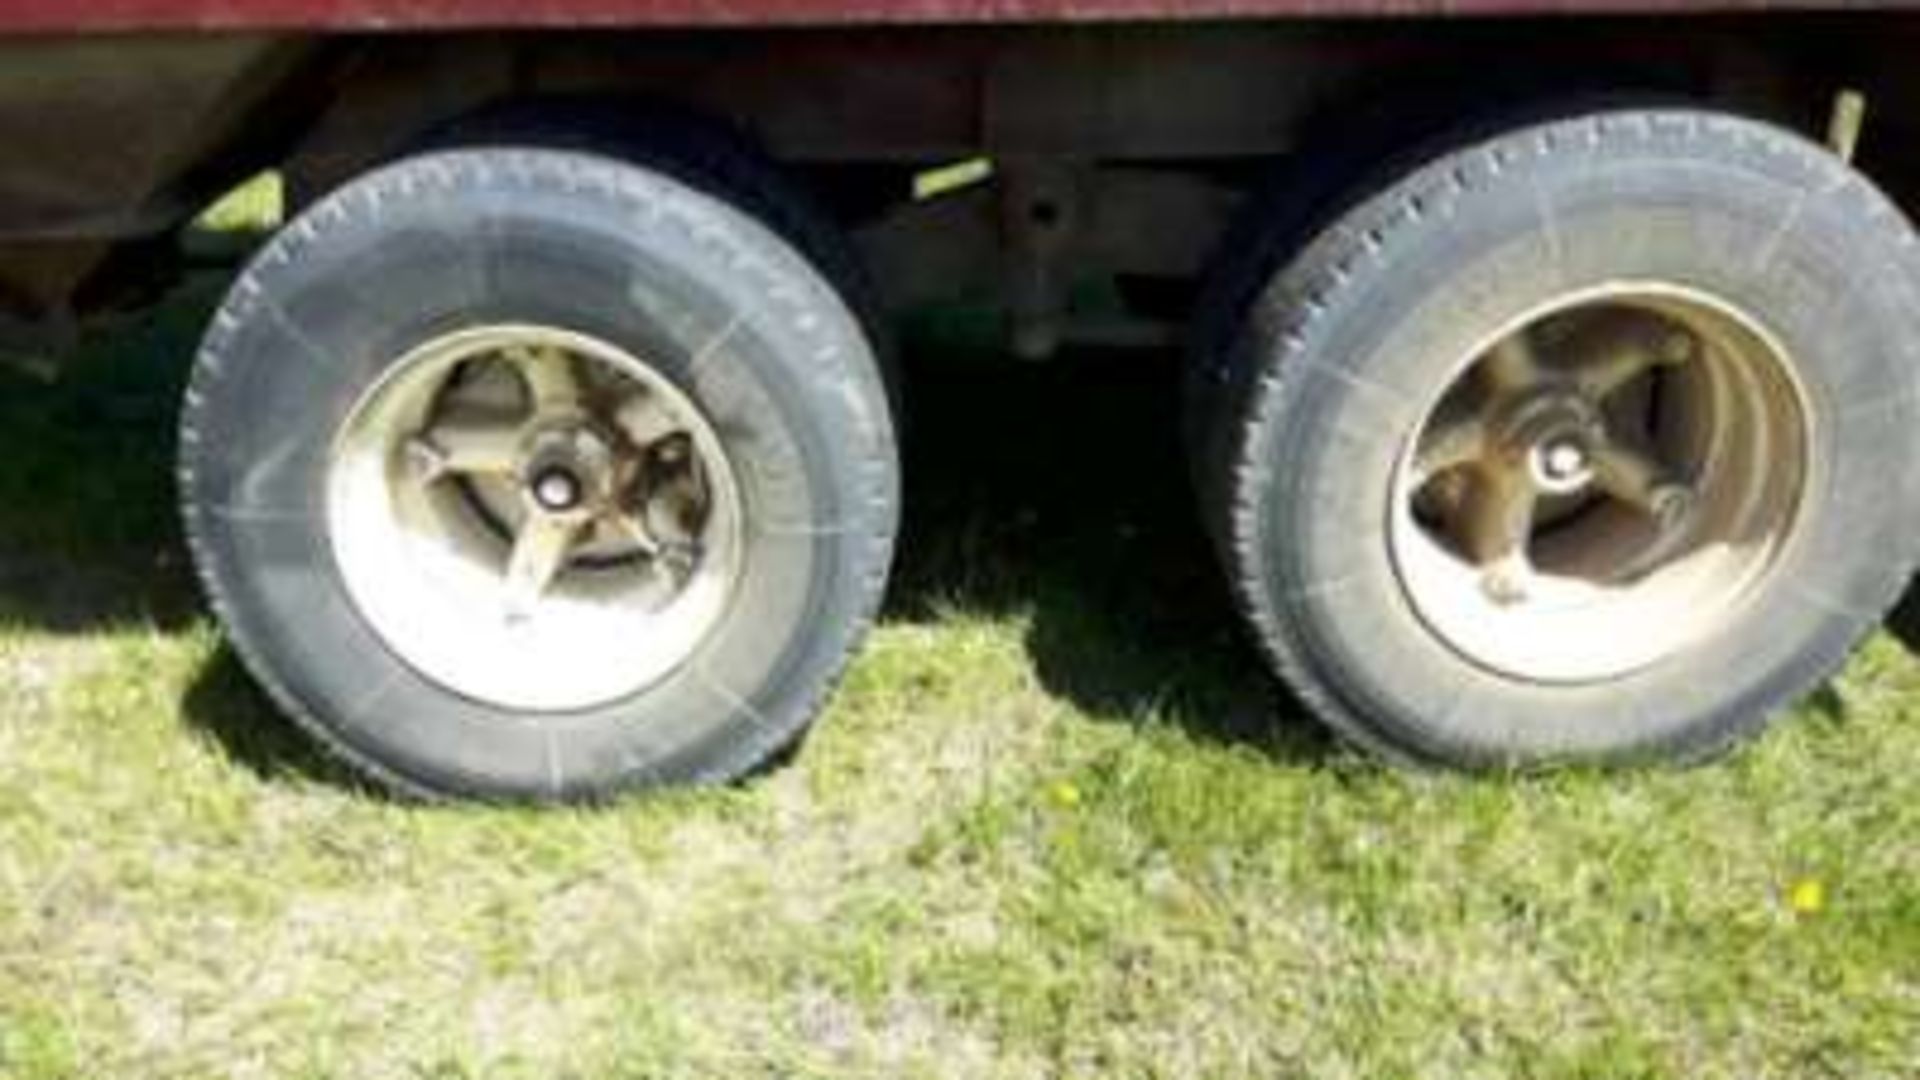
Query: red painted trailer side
66	16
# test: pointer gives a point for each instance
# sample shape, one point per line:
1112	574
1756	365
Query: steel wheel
1603	485
534	519
1569	446
536	474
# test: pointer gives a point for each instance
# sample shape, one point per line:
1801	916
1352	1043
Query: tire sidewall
1359	338
718	305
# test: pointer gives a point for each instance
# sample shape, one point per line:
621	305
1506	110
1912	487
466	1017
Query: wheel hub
535	518
1599	482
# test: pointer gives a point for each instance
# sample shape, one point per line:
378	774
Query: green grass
1056	825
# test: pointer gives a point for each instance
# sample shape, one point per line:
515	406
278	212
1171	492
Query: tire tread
1255	382
359	204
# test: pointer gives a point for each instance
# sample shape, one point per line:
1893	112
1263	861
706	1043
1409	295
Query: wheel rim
1604	483
533	518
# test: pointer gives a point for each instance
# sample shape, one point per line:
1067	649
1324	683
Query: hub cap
1602	485
534	518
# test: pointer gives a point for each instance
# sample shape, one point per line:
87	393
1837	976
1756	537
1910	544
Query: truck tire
530	474
1590	442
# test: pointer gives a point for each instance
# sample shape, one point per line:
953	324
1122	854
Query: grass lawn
1055	825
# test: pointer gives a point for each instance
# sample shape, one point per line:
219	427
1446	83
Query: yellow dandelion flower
1808	896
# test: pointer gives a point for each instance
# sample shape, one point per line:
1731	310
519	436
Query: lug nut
427	461
1670	504
1504	587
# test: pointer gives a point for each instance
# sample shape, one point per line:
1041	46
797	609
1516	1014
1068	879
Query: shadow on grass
90	539
1059	492
1053	493
89	535
1056	493
227	706
1904	622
